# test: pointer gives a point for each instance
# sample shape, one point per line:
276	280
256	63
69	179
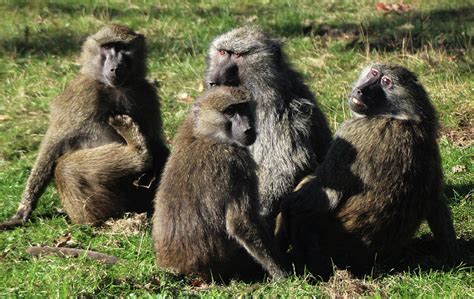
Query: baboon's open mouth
357	102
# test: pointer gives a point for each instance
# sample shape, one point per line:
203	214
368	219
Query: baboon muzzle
227	75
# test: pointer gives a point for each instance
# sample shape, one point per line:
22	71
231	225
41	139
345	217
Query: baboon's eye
237	55
386	81
222	52
374	72
230	111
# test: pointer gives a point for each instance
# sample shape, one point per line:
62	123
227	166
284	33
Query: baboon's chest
277	140
100	132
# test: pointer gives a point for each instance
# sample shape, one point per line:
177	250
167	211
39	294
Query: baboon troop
255	183
104	144
206	210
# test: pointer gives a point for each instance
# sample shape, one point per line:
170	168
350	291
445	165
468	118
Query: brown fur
95	163
381	178
206	209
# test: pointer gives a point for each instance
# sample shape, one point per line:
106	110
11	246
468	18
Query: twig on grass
11	224
73	252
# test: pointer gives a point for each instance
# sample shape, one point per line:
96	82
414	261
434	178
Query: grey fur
293	135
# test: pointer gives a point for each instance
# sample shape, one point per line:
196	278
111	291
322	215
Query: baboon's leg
441	224
96	184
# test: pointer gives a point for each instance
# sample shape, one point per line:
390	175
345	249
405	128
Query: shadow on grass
53	41
74	9
445	29
38	40
458	191
423	254
60	40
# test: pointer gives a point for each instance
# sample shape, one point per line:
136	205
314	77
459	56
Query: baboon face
242	129
116	60
240	57
114	55
387	90
225	115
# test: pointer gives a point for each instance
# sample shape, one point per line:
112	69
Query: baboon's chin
357	106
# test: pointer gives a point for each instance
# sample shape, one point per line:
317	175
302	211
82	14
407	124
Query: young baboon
381	177
293	135
102	170
206	210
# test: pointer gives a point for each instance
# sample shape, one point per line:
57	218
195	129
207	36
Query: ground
328	41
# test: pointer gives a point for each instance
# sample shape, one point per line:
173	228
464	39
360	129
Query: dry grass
344	285
130	224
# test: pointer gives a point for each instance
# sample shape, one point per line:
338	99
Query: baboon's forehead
242	39
114	33
396	71
222	97
392	69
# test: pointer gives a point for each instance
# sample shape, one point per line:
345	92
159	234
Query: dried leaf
382	7
185	98
199	283
201	87
458	169
65	241
4	117
398	8
251	18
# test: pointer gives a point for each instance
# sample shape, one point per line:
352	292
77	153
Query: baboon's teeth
356	101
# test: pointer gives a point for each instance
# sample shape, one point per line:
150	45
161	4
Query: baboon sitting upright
206	210
293	135
100	172
381	177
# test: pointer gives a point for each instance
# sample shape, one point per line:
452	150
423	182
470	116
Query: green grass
328	42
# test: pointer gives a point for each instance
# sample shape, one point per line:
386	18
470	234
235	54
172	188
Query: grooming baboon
101	173
206	210
293	135
381	177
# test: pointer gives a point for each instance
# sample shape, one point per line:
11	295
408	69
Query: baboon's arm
250	233
50	150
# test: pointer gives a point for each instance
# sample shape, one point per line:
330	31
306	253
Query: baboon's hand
23	213
296	211
21	216
120	122
279	274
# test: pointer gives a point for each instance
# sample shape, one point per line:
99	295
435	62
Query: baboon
102	170
293	134
380	179
206	218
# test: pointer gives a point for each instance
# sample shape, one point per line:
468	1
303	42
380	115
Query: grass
328	42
